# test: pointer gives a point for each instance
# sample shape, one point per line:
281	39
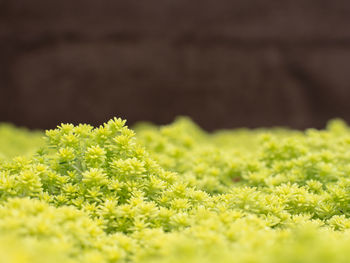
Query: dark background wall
225	63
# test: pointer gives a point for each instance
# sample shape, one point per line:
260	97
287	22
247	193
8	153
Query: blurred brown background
225	63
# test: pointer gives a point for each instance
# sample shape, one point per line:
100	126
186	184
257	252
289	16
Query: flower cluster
177	194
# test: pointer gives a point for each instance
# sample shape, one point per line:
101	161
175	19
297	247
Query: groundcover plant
175	194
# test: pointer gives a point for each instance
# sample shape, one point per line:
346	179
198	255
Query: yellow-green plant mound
18	141
178	194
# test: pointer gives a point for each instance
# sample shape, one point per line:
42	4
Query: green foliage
177	194
18	141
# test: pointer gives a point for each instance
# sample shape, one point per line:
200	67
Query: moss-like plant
177	194
16	141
